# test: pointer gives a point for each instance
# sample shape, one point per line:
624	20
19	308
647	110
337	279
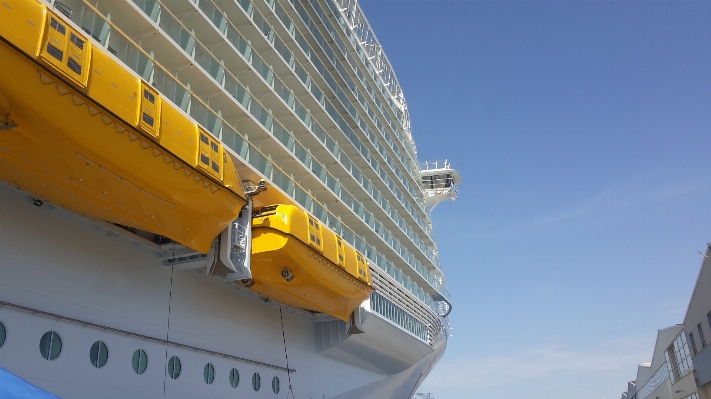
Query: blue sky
582	130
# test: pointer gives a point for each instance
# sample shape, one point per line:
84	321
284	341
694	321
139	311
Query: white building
681	364
697	324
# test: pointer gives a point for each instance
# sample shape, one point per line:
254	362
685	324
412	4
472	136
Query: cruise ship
212	199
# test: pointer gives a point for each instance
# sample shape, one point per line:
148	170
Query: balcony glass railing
142	63
223	24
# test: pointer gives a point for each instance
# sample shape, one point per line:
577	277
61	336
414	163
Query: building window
693	343
98	354
208	373
174	367
50	345
275	384
234	378
139	362
3	334
701	335
256	381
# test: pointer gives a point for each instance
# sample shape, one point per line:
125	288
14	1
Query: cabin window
174	367
204	159
149	96
256	381
275	384
55	52
204	139
50	345
148	119
99	354
3	334
77	41
208	373
216	167
57	26
234	378
139	362
75	67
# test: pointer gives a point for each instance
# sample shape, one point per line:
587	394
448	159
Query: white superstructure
301	94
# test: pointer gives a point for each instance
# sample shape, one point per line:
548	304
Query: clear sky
582	130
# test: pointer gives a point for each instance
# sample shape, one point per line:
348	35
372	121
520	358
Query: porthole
98	354
234	378
139	362
256	381
50	345
174	367
3	334
208	373
275	384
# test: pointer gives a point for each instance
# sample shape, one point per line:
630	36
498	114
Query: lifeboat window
148	119
234	378
99	354
174	367
204	139
55	52
3	334
204	159
311	222
339	243
313	238
216	167
256	381
318	241
139	361
149	96
214	147
208	373
57	26
340	257
77	41
74	66
50	345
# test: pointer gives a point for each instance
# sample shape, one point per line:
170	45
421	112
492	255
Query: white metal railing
434	165
358	24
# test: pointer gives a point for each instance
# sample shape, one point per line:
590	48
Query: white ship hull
61	272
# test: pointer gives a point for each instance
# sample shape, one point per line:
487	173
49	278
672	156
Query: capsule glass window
256	381
234	378
3	334
275	384
99	354
139	362
208	373
50	345
174	367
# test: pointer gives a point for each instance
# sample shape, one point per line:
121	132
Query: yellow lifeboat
78	129
296	261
